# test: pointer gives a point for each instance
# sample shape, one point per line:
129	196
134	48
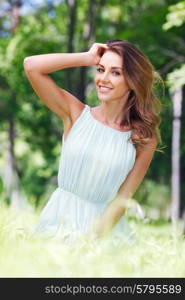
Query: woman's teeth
104	89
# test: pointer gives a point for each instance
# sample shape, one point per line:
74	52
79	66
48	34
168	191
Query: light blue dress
95	160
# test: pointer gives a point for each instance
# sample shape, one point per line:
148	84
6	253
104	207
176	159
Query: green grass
158	252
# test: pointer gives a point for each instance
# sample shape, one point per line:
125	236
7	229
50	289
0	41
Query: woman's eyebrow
111	67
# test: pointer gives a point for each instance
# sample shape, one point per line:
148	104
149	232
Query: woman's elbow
28	63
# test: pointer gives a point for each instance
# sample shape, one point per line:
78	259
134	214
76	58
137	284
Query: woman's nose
105	76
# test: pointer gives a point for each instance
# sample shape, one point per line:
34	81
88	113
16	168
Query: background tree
176	82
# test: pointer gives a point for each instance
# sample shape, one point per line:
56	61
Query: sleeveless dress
94	161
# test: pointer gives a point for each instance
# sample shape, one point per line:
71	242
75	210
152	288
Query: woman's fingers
96	51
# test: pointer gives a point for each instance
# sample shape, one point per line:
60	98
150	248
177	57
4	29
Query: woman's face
109	79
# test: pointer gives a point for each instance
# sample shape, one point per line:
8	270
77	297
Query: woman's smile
104	89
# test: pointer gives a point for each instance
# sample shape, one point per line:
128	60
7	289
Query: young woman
106	149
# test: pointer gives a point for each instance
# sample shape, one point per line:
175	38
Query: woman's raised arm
37	68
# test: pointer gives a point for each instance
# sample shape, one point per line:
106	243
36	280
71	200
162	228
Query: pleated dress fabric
94	161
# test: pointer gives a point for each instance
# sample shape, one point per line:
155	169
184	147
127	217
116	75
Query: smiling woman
102	162
112	90
124	81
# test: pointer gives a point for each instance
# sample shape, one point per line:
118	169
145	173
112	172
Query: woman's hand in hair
96	51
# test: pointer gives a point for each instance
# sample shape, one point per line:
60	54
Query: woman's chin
103	96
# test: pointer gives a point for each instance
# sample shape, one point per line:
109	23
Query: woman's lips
103	89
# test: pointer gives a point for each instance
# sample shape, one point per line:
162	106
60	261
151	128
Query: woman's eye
117	73
99	69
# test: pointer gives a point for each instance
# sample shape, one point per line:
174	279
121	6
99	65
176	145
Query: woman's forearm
48	63
115	210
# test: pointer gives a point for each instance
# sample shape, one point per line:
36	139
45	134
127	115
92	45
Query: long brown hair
142	108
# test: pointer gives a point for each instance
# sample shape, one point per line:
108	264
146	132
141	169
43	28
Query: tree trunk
175	201
88	38
10	176
16	18
72	8
182	165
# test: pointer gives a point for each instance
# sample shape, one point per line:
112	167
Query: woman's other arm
117	207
